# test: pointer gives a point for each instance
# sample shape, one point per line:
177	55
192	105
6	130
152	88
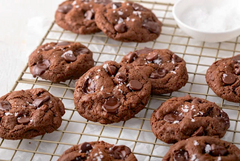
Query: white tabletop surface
23	24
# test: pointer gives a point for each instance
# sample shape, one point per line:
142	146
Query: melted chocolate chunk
5	106
121	78
117	4
160	73
181	155
104	2
81	51
111	105
89	86
112	70
144	51
120	27
65	8
151	26
135	85
63	43
47	47
23	120
89	15
152	56
237	69
171	117
79	158
218	150
131	57
229	78
176	59
120	152
208	112
69	56
85	147
40	100
196	101
138	7
199	132
40	68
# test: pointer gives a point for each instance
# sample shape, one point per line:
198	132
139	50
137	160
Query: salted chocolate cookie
223	77
203	148
78	16
128	21
182	117
165	69
98	150
61	61
111	92
29	113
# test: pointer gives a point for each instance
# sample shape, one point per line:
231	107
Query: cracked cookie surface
182	117
78	16
223	77
128	21
29	113
165	69
111	92
98	150
203	148
61	61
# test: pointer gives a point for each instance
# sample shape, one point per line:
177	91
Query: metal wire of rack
135	133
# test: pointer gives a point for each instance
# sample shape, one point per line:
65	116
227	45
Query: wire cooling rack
135	133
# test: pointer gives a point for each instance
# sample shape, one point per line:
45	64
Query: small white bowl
183	5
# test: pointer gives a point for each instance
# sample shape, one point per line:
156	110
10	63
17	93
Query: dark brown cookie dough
29	113
61	61
165	69
203	148
223	77
78	16
98	150
111	92
182	117
128	22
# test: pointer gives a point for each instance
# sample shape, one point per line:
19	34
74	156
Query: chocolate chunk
229	78
160	73
152	56
236	58
171	117
69	56
111	104
89	86
196	101
144	51
5	106
181	155
131	57
208	112
112	70
23	120
138	7
237	69
47	47
176	59
80	158
81	51
120	27
40	100
121	78
89	15
117	4
65	8
120	152
151	26
104	2
135	85
85	147
218	150
199	132
40	68
63	43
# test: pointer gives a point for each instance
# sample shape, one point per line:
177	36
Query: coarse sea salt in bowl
208	20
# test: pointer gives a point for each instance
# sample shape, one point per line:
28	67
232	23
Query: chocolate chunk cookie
182	117
128	21
223	77
111	92
78	16
60	61
29	113
98	150
203	148
165	69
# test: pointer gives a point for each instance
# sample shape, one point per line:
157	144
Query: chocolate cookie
182	117
111	92
165	69
98	150
60	61
128	21
29	113
223	77
78	16
202	148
